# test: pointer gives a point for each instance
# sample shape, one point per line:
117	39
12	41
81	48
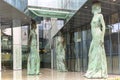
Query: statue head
59	38
96	7
33	24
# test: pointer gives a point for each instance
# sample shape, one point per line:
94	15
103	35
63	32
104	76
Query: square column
17	51
17	75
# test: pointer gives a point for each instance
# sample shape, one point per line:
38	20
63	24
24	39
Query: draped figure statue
97	66
33	64
60	54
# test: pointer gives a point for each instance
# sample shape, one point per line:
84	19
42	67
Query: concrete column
17	53
17	75
54	28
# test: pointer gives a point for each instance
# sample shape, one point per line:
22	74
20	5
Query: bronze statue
97	66
33	65
60	54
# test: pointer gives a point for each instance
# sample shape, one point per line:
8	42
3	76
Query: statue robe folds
33	66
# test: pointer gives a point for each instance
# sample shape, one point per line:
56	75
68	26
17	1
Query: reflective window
6	48
19	4
62	4
78	42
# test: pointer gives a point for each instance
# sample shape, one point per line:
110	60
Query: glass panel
61	4
19	4
6	40
114	37
108	45
77	49
112	44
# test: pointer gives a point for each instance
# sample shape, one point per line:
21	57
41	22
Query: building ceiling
8	13
83	16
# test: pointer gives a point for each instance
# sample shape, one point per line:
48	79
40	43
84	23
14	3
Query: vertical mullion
111	60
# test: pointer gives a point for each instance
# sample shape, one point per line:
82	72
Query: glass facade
9	40
45	32
6	48
62	9
112	42
60	4
19	4
78	41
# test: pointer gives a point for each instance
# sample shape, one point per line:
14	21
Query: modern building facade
77	34
11	20
68	18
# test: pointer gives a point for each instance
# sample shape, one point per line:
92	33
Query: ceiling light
114	0
86	6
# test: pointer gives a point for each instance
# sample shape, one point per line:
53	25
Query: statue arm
103	26
29	39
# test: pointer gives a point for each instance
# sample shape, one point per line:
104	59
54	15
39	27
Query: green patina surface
33	12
